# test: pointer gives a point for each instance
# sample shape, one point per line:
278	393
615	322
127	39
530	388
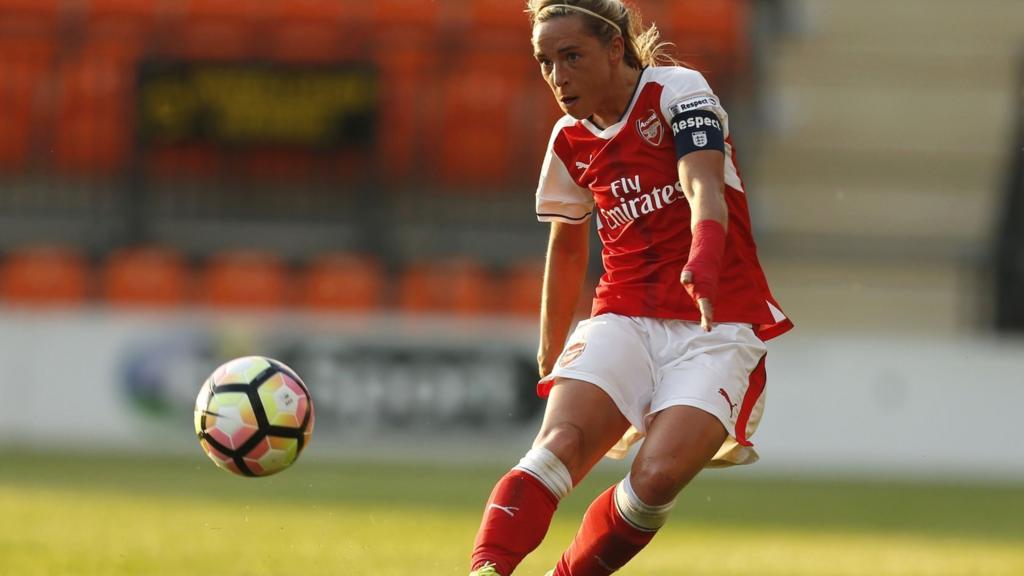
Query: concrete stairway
879	191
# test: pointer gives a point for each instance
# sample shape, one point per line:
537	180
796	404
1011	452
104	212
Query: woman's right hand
545	363
564	274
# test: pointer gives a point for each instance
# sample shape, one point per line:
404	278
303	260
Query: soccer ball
254	416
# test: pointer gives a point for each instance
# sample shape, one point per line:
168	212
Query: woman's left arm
702	175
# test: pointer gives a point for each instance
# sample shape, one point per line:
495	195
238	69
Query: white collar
610	132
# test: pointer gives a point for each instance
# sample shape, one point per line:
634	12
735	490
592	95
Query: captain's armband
695	130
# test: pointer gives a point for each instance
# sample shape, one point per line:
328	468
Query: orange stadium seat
185	161
710	35
522	284
407	98
146	276
129	23
25	66
215	29
310	31
498	15
44	276
452	286
343	282
416	14
723	21
482	103
246	279
538	118
94	104
26	18
274	165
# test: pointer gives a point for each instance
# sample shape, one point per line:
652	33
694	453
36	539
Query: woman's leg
581	423
680	441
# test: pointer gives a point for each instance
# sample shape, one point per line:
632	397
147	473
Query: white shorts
648	364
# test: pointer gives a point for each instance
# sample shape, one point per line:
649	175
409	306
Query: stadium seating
44	276
185	161
455	286
146	277
343	282
499	16
213	30
522	283
94	88
161	278
462	111
245	279
406	90
305	31
709	35
465	63
131	23
28	18
25	66
481	107
412	16
719	21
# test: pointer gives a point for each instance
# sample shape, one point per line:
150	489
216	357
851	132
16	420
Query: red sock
604	543
516	518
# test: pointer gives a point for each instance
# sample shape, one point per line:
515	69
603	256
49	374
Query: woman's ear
616	49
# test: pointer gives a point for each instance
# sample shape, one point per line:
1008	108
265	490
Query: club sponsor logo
629	201
651	128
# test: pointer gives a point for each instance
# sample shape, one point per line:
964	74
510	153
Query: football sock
633	510
615	528
519	511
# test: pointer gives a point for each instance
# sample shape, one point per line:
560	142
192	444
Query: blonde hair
643	44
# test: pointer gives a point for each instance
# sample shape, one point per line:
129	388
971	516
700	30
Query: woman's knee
657	481
681	440
566	441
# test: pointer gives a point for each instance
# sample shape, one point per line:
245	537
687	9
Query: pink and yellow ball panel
284	401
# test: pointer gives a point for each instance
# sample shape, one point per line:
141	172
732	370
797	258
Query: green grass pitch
110	516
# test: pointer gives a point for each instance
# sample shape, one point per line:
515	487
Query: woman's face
574	63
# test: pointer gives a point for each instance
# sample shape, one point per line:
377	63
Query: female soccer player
674	350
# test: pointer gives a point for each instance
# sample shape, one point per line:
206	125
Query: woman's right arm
566	268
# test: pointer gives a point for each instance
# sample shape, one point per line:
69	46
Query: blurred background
348	186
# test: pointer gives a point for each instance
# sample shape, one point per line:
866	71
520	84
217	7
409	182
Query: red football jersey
626	176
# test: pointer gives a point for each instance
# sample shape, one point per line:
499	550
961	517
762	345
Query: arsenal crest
571	354
650	128
700	139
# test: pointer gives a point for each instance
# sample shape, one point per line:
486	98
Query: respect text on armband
692	104
694	123
697	130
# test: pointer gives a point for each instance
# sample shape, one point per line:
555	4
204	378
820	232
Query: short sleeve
685	90
559	197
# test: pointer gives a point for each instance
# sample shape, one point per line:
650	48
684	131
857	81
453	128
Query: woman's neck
621	94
